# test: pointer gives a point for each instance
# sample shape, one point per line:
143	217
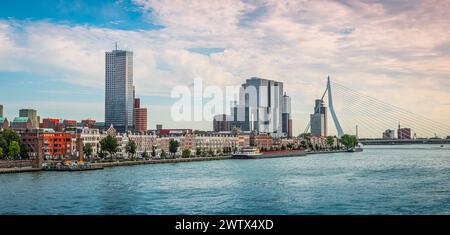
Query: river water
412	179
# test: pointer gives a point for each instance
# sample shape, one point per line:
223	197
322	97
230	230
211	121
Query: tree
290	146
153	151
186	153
6	137
144	155
173	147
101	154
349	141
109	144
330	141
24	150
130	148
87	150
163	154
211	152
13	149
1	152
198	152
304	135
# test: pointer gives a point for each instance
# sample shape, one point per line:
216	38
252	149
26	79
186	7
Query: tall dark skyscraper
119	90
286	116
319	119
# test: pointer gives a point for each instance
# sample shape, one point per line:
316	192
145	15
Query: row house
261	141
216	143
144	143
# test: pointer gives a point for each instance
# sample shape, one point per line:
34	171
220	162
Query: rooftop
21	119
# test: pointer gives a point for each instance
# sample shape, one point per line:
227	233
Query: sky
52	52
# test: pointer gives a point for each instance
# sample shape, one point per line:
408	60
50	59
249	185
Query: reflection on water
406	179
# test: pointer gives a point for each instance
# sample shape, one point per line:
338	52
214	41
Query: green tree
330	141
198	152
304	135
210	152
13	149
130	148
88	150
186	153
109	144
1	152
153	151
290	146
349	141
101	154
173	147
24	150
163	154
204	153
144	155
6	137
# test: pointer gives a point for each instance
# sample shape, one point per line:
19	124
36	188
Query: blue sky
99	13
52	52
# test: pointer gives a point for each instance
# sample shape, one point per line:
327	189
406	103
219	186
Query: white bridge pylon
339	130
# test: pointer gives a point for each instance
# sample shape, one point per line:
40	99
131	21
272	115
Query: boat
70	166
254	153
357	148
247	153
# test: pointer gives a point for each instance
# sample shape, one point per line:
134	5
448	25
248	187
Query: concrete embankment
18	170
324	152
159	161
131	163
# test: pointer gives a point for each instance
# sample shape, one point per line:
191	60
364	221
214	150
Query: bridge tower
339	130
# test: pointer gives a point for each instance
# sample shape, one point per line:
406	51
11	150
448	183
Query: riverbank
159	161
324	152
153	161
18	170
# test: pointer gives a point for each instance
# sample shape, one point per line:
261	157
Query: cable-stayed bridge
355	113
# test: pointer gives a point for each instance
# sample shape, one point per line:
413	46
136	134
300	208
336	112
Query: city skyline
377	47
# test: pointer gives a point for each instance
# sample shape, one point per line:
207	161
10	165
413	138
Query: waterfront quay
163	161
403	141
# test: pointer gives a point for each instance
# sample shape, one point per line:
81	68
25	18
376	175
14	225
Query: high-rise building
140	116
319	119
286	116
260	106
221	123
290	129
388	134
32	115
119	90
1	110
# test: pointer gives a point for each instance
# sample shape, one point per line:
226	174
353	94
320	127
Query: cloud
378	47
